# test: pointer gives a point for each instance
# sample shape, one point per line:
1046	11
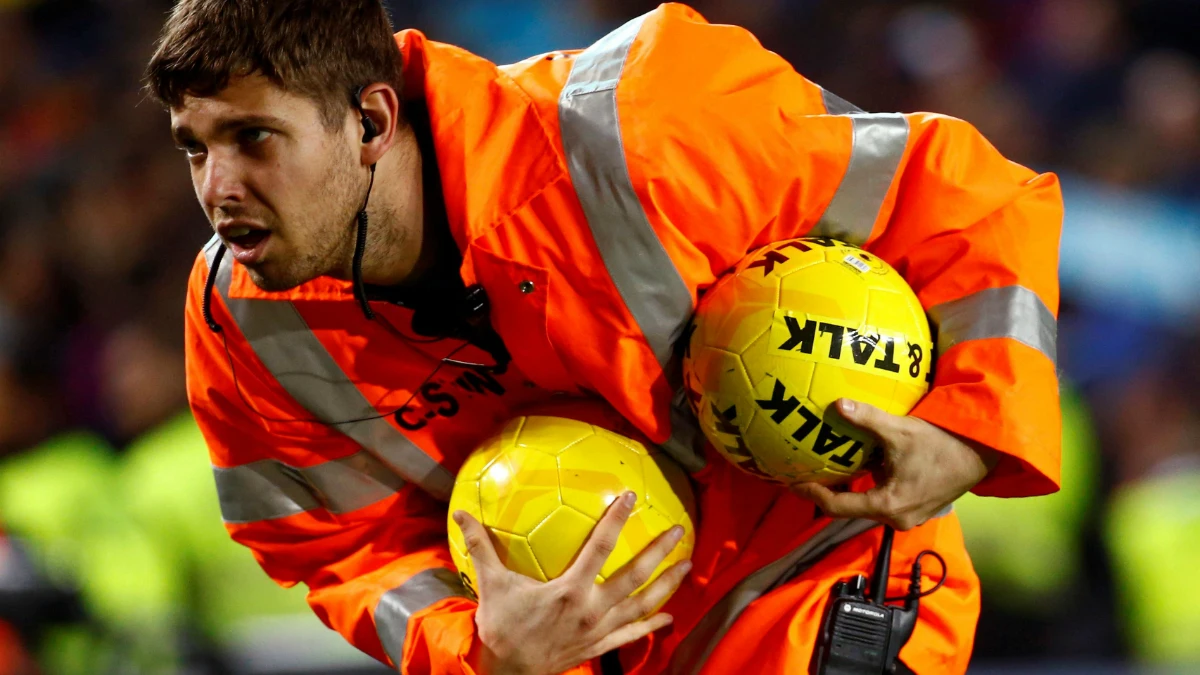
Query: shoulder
676	59
709	98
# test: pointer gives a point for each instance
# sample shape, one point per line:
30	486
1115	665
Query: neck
398	248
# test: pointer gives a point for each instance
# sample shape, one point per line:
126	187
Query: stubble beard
325	238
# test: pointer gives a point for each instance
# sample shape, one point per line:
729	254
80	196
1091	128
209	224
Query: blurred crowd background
106	501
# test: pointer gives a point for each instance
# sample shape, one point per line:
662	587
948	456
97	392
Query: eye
192	148
253	136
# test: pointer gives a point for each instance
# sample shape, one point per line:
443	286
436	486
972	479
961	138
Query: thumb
479	546
843	504
866	416
814	492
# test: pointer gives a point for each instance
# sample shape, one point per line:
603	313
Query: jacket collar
479	119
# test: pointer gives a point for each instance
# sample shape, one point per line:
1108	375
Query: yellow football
795	326
542	484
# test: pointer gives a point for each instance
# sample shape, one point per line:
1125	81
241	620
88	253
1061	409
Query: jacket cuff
1025	468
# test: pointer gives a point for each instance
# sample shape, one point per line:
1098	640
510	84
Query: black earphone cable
360	249
914	589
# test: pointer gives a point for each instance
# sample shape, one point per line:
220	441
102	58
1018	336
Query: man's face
278	186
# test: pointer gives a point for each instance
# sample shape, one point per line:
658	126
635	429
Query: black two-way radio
862	634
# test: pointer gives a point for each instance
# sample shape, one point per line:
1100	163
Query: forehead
245	96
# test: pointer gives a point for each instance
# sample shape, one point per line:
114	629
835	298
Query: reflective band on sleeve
836	105
878	146
398	605
1009	312
261	491
305	369
693	651
269	489
641	269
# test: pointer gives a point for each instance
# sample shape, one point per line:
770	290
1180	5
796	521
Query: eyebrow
228	125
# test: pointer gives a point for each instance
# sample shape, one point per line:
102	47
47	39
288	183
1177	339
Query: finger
641	605
866	416
603	539
629	633
874	503
638	571
479	547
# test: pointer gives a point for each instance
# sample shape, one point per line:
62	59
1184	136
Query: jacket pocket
518	294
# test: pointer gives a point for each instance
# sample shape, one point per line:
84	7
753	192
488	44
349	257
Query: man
424	243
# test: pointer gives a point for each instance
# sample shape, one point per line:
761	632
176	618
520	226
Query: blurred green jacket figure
1027	552
167	487
1153	536
140	535
63	499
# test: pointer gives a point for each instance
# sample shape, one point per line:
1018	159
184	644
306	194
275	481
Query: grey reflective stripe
693	651
399	604
1009	312
877	147
641	269
686	444
836	105
269	489
297	360
350	483
261	491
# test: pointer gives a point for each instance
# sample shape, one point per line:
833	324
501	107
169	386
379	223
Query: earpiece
369	129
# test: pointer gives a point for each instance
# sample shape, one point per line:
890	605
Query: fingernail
630	499
847	405
669	619
686	566
676	533
458	517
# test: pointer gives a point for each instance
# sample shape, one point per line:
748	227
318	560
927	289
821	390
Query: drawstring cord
206	304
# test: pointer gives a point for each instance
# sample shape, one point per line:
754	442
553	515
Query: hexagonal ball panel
890	313
519	490
831	382
827	290
517	555
595	472
557	540
625	441
643	526
478	462
551	435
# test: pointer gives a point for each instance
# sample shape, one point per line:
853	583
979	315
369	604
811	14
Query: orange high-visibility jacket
594	195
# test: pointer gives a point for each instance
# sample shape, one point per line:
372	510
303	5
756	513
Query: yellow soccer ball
542	484
794	327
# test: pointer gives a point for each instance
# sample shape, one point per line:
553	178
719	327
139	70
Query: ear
381	105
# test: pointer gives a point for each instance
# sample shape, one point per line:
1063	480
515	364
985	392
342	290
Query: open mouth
246	244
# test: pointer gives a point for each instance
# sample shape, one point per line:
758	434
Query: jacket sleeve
730	149
315	510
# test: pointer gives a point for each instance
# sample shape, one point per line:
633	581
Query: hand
924	470
527	627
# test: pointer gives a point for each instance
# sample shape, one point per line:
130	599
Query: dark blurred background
106	501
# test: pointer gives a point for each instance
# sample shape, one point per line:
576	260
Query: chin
273	281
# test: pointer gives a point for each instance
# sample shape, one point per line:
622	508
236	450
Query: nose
220	182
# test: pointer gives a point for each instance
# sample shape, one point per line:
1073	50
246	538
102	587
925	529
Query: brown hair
321	49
